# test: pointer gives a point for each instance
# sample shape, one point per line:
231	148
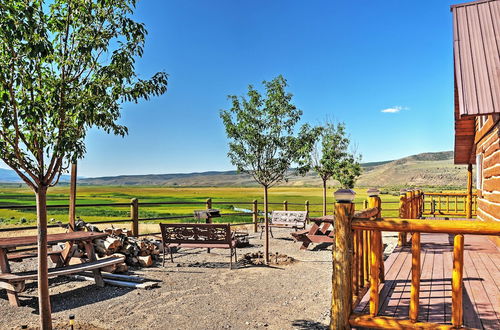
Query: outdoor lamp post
372	192
344	195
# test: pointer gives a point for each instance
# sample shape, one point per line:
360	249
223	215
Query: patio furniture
286	219
189	235
14	282
320	232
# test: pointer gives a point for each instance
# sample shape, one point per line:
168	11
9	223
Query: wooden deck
481	282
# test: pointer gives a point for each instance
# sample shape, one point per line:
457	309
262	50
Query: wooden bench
198	236
286	219
15	281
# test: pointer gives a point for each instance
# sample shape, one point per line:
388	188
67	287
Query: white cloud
394	109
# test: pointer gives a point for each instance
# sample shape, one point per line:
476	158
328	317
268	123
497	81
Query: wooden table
13	282
320	232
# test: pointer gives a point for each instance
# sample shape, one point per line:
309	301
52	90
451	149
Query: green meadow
234	200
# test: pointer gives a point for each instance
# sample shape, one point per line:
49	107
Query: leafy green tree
331	158
65	66
263	141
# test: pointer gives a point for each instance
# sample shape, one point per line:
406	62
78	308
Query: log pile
138	252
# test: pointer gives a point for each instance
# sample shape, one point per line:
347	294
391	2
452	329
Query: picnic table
321	231
9	250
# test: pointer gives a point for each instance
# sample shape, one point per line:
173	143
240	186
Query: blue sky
346	60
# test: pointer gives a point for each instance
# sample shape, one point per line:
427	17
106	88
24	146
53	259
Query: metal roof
476	48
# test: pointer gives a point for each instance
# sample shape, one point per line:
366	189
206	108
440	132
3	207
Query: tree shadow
308	325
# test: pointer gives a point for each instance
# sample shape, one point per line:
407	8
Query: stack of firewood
120	242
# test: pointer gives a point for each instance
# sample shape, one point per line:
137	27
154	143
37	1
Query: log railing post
415	276
255	215
375	261
134	216
366	257
456	281
208	206
403	206
374	201
285	205
342	257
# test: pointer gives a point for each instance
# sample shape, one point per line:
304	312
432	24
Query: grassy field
239	198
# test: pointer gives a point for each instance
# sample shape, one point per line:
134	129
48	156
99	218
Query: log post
72	197
375	201
375	261
366	257
456	281
134	216
307	210
402	215
285	205
208	206
468	206
255	215
415	276
342	255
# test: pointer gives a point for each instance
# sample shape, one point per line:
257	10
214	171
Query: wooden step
53	272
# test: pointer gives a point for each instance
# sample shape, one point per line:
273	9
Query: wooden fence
253	212
453	204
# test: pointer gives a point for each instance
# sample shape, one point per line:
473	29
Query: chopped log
112	243
145	261
76	261
121	268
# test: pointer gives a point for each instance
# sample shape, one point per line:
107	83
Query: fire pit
257	258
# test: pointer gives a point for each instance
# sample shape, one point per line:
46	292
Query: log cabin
476	50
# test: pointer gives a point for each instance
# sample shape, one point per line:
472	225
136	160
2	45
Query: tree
263	142
331	158
65	66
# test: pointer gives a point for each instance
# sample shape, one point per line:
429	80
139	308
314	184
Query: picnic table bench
320	232
189	235
286	219
14	282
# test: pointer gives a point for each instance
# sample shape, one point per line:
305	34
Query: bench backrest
288	217
179	233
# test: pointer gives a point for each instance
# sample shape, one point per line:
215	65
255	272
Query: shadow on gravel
322	246
71	297
308	324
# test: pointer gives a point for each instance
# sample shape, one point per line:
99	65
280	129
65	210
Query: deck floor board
481	282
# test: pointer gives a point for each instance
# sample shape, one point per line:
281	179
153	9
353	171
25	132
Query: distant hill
426	169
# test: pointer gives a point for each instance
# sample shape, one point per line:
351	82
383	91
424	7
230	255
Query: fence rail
254	211
454	204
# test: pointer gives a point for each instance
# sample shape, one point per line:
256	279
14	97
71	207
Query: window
479	171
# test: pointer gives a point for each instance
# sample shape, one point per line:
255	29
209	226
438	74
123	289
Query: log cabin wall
487	144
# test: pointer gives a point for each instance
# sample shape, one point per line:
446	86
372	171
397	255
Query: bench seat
58	271
205	245
198	235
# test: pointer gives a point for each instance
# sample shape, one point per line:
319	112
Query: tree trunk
324	196
43	279
266	221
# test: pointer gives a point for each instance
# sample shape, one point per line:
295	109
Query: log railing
453	204
411	205
348	225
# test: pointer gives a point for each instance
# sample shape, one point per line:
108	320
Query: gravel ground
197	291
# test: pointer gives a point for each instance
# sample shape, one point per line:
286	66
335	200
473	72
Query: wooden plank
32	275
12	242
436	301
484	306
470	317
